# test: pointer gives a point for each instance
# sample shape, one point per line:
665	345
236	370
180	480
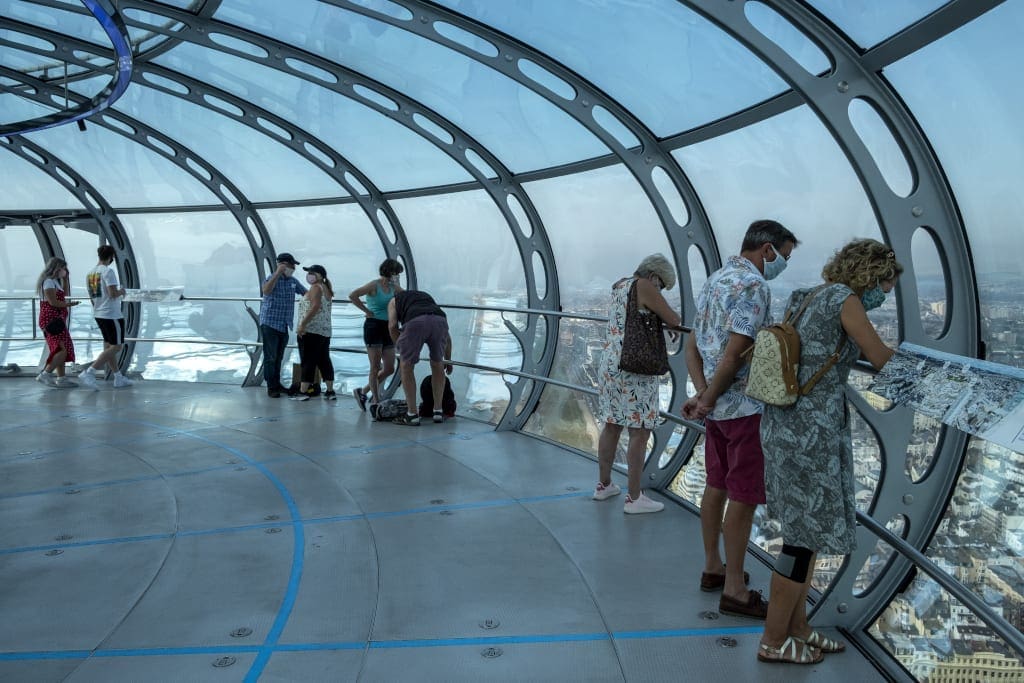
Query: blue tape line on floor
383	644
315	520
298	546
135	480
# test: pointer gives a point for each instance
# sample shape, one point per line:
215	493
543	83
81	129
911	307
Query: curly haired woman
808	449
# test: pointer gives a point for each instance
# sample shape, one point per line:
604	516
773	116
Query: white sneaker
88	378
603	492
47	378
64	383
120	381
641	505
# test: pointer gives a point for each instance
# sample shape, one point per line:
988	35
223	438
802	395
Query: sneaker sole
641	512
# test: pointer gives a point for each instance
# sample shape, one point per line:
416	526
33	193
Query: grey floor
195	532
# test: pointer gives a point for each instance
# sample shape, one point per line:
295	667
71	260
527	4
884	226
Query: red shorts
733	458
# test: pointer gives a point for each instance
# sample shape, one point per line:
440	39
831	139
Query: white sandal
789	653
823	643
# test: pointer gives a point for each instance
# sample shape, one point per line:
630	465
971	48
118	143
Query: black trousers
315	352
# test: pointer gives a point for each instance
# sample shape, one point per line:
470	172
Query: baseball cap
285	257
319	270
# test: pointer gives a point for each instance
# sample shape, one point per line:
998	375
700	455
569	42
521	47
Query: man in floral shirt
732	306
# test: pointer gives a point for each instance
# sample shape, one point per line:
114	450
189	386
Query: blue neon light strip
112	24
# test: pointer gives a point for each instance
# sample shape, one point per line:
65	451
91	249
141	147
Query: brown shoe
754	607
715	582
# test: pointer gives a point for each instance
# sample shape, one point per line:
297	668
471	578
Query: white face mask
310	278
288	272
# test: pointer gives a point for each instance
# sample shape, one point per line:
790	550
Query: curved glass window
868	22
340	238
930	276
37	66
980	541
26	187
465	254
79	249
680	71
204	251
484	265
793	41
394	157
207	254
984	163
243	154
937	638
790	169
75	24
20	264
518	126
122	171
15	108
606	202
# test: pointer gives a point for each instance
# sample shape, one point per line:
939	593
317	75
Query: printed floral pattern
624	398
808	449
736	298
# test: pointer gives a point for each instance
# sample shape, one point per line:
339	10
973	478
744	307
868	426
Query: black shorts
112	330
375	333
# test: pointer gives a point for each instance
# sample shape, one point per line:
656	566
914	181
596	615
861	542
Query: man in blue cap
277	311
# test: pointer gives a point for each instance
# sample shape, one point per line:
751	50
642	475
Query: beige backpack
775	361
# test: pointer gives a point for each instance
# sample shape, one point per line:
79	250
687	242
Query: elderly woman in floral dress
626	399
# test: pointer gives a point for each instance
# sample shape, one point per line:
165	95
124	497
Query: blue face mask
773	269
873	298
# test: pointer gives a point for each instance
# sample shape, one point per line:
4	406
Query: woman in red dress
53	285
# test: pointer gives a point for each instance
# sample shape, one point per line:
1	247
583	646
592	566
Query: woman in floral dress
627	399
53	285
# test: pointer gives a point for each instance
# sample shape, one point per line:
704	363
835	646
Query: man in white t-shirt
105	291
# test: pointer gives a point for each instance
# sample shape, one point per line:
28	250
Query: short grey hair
657	264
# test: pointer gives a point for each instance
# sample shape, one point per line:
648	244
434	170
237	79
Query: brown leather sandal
789	653
715	582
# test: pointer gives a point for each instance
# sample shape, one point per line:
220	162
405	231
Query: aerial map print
975	396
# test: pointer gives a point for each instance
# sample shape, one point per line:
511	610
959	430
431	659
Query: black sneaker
329	395
360	398
373	410
407	419
438	416
274	393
